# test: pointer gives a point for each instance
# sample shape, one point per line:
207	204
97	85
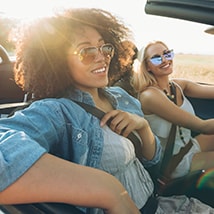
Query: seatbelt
170	161
99	114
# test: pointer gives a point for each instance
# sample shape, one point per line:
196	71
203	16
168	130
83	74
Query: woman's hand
123	122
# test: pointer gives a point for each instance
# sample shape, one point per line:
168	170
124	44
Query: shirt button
79	136
126	102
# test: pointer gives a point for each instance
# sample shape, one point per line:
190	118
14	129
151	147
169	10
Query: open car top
201	11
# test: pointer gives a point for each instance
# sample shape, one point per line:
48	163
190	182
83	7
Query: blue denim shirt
61	127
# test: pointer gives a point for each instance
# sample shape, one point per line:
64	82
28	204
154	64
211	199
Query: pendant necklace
171	96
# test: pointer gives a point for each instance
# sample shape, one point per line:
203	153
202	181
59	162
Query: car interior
11	96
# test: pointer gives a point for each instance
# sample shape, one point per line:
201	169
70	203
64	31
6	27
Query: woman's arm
194	89
52	179
155	102
150	148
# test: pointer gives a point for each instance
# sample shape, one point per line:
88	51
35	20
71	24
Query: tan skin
73	183
154	101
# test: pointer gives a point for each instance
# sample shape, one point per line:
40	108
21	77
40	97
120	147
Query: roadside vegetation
198	68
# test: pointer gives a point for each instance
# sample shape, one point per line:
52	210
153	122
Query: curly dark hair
41	66
128	54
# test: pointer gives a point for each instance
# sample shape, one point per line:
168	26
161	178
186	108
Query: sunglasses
89	54
158	59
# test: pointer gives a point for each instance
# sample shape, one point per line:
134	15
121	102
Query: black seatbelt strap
99	114
170	161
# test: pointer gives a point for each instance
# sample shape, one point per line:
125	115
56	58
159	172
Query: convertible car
201	11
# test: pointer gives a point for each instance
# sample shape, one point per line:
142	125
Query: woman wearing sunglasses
53	150
155	93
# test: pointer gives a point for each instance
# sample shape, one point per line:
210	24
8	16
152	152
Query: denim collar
85	97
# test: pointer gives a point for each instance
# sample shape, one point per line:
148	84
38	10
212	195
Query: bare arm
194	89
155	102
52	179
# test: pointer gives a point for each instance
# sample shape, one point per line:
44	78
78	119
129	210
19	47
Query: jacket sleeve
157	156
24	138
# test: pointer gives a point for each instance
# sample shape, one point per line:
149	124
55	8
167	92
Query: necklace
170	94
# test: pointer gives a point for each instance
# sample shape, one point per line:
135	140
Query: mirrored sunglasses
89	54
158	59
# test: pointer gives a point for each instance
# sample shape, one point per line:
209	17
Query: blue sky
182	36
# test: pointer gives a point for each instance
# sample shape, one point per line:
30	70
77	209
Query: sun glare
145	27
27	10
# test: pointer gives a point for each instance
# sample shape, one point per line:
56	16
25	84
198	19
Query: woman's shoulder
58	110
50	101
118	91
180	82
125	101
151	99
150	92
54	104
121	94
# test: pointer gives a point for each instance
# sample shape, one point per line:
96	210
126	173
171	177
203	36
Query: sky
180	35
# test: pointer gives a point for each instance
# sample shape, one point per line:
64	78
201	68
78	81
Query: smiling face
165	66
91	75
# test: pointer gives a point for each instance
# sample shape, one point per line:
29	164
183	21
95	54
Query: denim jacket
61	127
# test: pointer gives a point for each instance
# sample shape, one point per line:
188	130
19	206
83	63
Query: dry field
198	68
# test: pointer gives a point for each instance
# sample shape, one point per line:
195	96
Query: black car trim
191	10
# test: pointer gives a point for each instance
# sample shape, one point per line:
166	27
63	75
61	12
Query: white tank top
161	127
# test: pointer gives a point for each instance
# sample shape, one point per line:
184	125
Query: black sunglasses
158	59
89	54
